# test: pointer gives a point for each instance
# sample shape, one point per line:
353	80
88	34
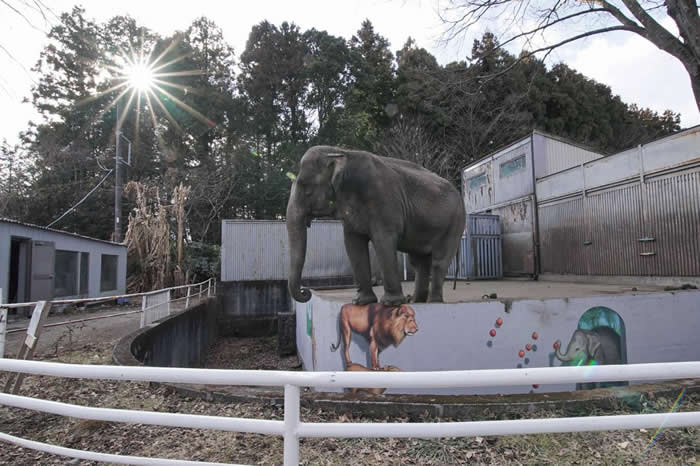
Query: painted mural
492	334
598	340
381	326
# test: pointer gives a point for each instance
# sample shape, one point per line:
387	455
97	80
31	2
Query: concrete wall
181	340
68	242
657	327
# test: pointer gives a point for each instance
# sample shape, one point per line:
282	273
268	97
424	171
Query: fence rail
155	305
292	429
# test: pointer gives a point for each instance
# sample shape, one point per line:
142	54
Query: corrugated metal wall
562	234
258	250
481	250
553	155
635	213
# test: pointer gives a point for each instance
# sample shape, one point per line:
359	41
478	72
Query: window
66	273
108	273
84	273
513	166
477	181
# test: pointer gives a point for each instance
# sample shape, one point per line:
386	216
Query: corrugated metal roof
30	225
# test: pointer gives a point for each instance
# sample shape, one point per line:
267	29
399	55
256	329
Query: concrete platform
508	289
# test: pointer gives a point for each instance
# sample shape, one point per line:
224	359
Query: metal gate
481	249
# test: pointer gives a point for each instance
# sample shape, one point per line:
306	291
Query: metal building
503	184
258	250
635	213
38	263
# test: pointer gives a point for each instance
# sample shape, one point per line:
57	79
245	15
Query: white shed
38	263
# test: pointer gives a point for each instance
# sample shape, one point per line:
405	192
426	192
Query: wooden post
199	297
209	288
36	326
187	301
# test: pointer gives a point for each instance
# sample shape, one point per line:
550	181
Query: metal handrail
102	298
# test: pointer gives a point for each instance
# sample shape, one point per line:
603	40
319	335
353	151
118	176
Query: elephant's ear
338	160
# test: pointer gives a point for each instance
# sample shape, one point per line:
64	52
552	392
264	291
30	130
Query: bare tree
527	21
409	140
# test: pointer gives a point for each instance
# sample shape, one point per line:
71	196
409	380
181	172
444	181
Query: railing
292	429
154	305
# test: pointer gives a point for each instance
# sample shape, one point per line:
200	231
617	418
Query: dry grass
672	447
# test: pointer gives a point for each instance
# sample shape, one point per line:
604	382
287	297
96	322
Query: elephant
601	344
395	204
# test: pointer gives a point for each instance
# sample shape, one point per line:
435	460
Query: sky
633	68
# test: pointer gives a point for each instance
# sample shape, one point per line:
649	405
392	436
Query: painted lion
381	325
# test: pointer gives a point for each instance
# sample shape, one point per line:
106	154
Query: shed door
42	270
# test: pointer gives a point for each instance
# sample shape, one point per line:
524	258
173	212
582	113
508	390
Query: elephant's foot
393	299
362	298
436	299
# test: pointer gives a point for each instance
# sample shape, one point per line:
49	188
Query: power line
82	200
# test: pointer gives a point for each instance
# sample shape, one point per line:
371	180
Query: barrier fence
154	305
292	428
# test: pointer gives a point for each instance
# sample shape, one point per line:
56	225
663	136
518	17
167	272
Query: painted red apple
534	335
492	332
555	345
521	353
499	321
528	347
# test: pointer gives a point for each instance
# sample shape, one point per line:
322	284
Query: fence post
291	424
214	281
168	303
187	301
143	311
26	352
209	288
3	327
199	296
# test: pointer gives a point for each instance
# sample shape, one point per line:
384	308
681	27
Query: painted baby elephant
396	204
601	344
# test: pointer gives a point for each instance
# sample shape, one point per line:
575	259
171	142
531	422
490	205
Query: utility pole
117	185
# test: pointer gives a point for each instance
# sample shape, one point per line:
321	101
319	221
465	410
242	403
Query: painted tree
571	21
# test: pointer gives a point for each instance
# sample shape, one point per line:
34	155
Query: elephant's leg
385	246
421	264
357	247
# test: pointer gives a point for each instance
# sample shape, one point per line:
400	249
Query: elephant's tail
459	246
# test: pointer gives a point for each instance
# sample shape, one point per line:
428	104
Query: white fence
154	305
292	429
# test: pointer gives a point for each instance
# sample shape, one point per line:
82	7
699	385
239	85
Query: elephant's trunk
297	219
561	355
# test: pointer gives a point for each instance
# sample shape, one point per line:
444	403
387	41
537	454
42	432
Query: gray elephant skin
395	204
601	344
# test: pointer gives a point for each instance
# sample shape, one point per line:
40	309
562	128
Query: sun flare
139	76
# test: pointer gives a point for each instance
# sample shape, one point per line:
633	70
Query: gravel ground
672	447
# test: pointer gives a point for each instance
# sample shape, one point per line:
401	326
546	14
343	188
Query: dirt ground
671	447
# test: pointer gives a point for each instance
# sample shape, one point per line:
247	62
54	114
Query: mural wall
620	329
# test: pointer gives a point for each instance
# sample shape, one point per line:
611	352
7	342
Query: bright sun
139	76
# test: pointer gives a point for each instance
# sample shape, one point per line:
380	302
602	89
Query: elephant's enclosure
526	324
